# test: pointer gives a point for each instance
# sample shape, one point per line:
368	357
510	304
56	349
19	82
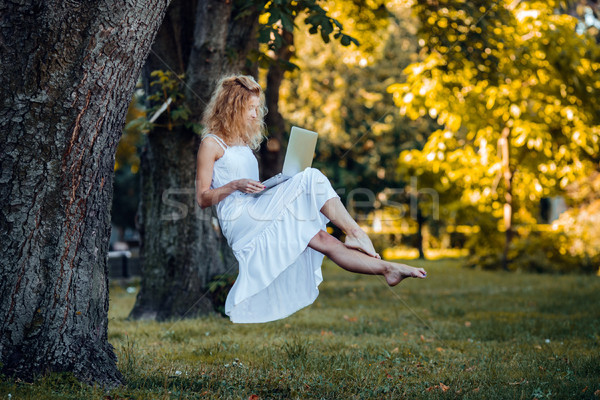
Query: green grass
458	334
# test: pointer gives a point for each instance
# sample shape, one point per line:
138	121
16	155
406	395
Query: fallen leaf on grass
350	319
441	386
467	323
253	397
326	333
518	383
395	350
584	389
597	393
439	349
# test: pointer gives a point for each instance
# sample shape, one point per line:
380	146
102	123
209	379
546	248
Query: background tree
276	38
516	90
182	249
68	70
342	94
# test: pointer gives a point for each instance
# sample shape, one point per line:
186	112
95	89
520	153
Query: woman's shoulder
211	147
216	138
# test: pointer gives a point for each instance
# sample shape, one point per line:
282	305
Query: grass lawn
458	334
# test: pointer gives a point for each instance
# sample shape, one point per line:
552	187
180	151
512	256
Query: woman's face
251	112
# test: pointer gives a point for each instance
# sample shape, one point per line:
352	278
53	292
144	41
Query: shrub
570	244
219	288
544	252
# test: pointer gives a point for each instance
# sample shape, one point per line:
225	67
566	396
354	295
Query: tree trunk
508	206
417	215
420	227
68	71
271	152
182	248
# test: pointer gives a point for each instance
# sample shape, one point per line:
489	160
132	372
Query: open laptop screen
300	151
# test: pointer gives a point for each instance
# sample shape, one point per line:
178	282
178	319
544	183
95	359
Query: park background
462	135
411	127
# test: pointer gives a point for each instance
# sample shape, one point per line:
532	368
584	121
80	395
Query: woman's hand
248	186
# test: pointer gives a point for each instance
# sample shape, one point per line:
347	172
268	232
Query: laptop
298	156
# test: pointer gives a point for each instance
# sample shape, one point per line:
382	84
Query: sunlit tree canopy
517	69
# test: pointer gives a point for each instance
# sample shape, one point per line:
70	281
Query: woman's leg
356	238
355	261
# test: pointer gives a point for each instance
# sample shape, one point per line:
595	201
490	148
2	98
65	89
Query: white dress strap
218	139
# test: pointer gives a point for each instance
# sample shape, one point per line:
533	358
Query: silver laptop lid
300	151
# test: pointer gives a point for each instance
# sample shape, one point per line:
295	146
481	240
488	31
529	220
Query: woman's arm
208	153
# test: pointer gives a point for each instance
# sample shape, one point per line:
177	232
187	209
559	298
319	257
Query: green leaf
141	125
195	127
288	65
274	17
264	35
277	40
287	23
136	124
326	26
180	114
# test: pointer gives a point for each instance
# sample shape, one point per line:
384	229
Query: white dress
269	234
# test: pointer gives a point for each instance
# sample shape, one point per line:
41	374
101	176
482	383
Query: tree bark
182	248
68	71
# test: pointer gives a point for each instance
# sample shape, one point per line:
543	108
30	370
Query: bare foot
359	240
397	272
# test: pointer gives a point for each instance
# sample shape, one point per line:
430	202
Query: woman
279	237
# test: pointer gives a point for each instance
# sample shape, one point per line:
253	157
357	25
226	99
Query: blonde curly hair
224	113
